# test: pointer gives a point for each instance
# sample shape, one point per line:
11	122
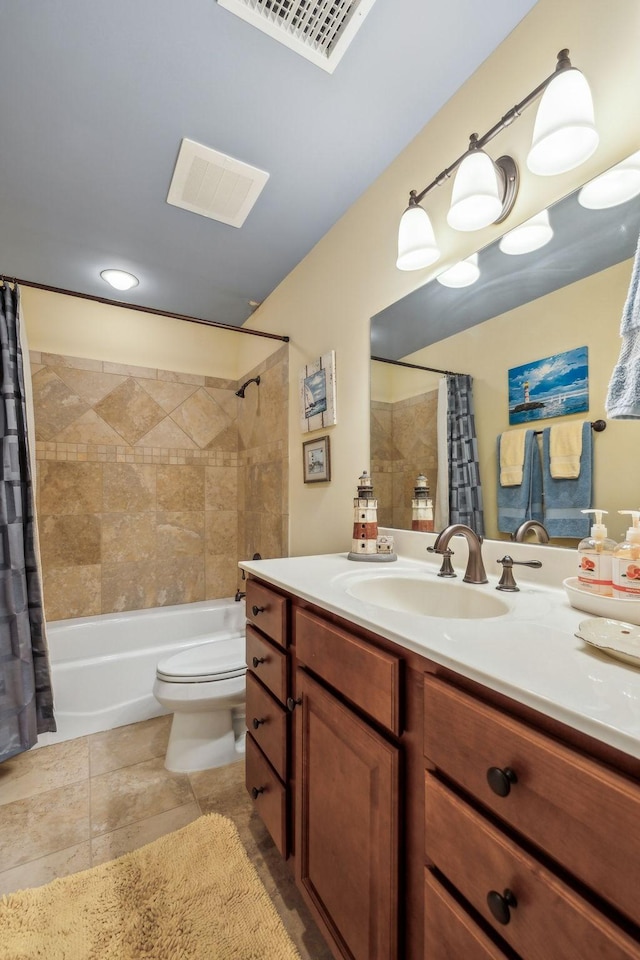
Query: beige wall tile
223	577
72	592
167	434
180	487
222	532
226	441
128	370
89	428
177	377
70	540
167	394
67	487
128	537
47	768
180	534
201	418
129	487
79	363
134	793
128	586
180	580
55	405
44	824
90	385
221	488
130	410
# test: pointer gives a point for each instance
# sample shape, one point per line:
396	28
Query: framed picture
553	387
318	393
316	460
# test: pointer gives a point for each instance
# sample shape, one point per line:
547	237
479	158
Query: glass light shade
417	245
461	274
119	279
614	186
530	235
476	199
564	133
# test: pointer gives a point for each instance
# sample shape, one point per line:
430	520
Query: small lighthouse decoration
364	545
422	506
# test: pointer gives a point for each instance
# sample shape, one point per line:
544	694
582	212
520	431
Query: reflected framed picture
553	387
316	460
318	393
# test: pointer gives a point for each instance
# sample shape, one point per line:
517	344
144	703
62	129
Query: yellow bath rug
191	895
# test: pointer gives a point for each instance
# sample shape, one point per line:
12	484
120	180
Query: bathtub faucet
239	595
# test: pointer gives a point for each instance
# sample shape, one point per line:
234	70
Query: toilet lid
215	660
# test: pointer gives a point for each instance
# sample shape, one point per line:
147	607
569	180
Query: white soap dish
613	637
625	610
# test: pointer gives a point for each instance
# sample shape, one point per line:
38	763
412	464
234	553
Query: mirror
570	293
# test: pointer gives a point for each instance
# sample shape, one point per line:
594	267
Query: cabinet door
346	824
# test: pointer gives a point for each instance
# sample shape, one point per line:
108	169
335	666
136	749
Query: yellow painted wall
326	302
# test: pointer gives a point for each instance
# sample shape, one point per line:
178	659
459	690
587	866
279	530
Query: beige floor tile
52	821
125	746
112	845
38	872
37	771
133	793
219	782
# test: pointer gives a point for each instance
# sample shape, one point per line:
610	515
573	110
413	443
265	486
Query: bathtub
103	668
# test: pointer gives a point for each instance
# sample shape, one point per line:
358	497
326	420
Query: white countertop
529	654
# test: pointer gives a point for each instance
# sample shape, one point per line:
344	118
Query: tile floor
72	805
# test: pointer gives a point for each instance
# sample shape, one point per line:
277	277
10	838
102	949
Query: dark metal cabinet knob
256	723
257	661
255	610
256	791
292	704
501	780
501	905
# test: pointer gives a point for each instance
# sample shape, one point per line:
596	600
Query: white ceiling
95	99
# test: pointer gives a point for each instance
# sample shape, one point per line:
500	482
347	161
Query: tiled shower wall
141	478
403	445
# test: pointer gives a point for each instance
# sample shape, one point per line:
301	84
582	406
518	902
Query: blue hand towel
565	499
623	395
523	502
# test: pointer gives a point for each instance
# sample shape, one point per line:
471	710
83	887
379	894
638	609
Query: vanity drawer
578	811
267	723
268	795
449	931
368	677
268	611
550	921
268	663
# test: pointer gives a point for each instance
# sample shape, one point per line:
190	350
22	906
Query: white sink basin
447	600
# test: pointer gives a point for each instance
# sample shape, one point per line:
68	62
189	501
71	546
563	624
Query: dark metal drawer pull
256	723
501	780
258	660
255	791
255	610
292	704
500	905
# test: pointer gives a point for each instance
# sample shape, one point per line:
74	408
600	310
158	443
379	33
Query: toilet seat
205	662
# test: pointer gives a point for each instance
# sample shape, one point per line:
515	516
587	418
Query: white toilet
204	688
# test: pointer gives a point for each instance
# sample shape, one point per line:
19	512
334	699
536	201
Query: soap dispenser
626	561
594	558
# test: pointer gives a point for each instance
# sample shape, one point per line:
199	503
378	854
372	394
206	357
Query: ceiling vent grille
210	183
320	30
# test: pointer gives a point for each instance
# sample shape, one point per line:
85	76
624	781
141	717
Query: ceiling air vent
320	30
210	183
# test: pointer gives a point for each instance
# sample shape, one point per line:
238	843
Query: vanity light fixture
461	274
119	279
484	190
614	186
530	235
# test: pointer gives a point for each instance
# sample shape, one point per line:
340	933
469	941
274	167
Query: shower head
240	392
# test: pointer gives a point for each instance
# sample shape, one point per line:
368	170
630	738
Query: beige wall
326	302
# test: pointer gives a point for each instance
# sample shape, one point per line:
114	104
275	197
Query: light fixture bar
564	63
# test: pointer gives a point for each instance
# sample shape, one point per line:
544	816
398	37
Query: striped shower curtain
465	489
26	697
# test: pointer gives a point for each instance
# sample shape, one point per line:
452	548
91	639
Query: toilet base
201	741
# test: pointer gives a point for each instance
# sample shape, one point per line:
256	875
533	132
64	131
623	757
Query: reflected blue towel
564	499
524	502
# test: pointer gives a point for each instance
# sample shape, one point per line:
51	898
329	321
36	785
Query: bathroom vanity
444	786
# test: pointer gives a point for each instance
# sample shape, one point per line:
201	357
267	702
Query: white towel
512	457
623	395
565	450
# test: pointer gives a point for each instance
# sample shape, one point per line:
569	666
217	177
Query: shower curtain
465	490
26	697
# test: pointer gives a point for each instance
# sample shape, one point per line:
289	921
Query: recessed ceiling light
119	279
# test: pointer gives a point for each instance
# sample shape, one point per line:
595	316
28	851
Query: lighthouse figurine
422	506
364	545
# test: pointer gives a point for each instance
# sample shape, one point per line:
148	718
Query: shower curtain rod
417	366
141	309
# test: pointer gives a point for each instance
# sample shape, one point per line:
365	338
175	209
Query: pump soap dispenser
626	561
594	558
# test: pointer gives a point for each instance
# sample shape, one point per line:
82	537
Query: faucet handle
446	570
507	580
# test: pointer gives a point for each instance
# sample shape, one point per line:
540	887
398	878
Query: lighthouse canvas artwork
553	387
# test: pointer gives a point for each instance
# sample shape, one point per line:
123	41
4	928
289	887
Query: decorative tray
612	607
613	637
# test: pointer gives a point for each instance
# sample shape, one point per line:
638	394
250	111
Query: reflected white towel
512	457
623	395
565	450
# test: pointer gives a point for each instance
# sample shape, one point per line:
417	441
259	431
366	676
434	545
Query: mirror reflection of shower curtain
463	469
26	698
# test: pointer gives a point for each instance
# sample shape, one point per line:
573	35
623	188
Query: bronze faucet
475	572
523	529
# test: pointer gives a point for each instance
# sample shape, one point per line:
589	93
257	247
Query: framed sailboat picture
318	393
